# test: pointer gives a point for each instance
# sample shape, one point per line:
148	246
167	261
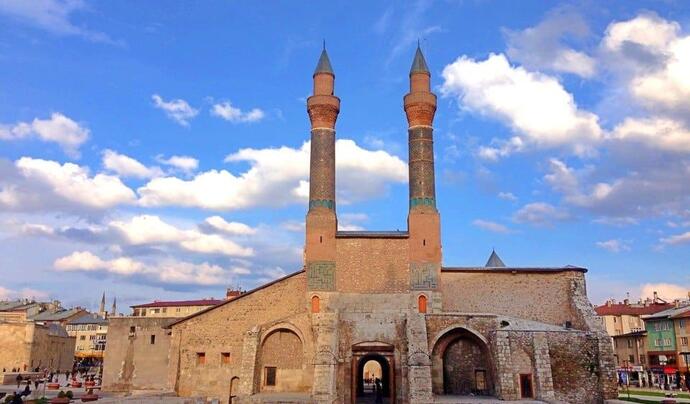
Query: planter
59	400
52	386
89	383
76	384
89	397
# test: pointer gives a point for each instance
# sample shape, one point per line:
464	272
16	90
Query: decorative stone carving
321	275
423	275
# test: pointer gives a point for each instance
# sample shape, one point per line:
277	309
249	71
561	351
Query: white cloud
536	106
57	129
540	47
226	111
276	177
659	133
184	163
169	271
126	166
491	226
86	261
236	228
53	16
351	221
149	229
293	226
656	59
646	30
25	293
613	245
178	109
668	291
683	238
540	214
661	188
43	184
508	196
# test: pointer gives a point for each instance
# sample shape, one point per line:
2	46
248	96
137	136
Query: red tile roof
619	309
180	303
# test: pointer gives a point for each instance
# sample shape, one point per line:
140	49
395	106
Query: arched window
421	303
315	304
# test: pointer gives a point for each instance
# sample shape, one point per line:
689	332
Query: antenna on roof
324	44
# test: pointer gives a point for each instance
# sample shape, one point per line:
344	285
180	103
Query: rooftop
674	312
89	318
640	333
515	269
619	309
181	303
372	234
56	315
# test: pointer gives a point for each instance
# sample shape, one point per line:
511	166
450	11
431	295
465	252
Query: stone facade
25	344
137	354
386	297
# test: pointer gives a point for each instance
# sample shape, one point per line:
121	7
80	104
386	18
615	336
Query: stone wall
239	328
51	350
136	355
282	350
521	295
26	345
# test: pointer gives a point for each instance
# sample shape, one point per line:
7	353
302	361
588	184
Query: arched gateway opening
373	373
461	364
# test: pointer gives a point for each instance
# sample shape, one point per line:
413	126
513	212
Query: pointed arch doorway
372	361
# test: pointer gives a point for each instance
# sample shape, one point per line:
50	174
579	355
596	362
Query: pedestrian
19	380
378	388
27	390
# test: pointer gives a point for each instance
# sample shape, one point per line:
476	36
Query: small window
315	304
153	339
82	338
165	310
631	359
132	329
421	303
225	358
177	310
270	376
201	358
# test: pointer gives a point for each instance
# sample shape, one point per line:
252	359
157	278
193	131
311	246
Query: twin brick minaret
423	219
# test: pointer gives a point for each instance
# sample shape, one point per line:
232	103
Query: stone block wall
239	328
519	295
25	345
136	356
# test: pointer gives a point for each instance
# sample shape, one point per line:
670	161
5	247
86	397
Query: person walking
19	380
378	387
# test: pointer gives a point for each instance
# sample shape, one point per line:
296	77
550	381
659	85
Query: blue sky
156	150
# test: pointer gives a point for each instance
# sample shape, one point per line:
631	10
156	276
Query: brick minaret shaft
323	108
423	219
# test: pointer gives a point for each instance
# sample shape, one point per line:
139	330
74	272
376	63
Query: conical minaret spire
113	310
419	63
324	64
101	309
